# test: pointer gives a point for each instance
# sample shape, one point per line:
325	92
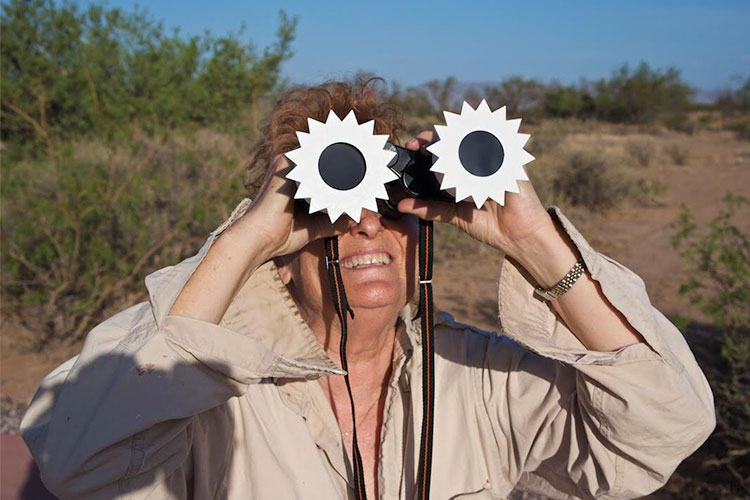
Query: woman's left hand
508	228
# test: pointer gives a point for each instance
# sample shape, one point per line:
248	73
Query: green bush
518	94
741	128
130	177
67	73
82	230
737	100
568	102
719	284
640	95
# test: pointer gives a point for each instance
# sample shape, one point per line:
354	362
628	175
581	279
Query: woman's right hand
270	228
272	218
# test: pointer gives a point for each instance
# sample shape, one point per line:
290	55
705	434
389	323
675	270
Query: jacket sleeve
593	424
119	420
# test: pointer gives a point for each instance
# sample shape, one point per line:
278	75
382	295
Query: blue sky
484	41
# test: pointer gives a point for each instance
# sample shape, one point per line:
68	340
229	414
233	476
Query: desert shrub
648	192
517	93
428	100
640	95
680	122
82	229
719	284
103	71
641	151
637	95
734	105
128	178
592	179
741	129
737	99
676	153
706	120
552	133
546	139
568	102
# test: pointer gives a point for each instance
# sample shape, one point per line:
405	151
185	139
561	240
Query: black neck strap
338	294
426	252
342	308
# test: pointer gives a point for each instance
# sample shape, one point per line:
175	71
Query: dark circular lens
481	153
342	166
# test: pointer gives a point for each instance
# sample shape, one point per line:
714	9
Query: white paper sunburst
455	179
324	198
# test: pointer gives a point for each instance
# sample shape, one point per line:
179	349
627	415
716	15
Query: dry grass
677	153
599	166
642	151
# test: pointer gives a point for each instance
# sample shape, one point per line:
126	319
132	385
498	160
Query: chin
375	295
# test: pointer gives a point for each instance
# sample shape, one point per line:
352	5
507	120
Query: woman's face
378	267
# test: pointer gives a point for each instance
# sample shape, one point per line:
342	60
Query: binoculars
342	167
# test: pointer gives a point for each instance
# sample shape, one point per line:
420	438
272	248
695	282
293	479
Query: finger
439	211
319	226
277	182
274	179
421	141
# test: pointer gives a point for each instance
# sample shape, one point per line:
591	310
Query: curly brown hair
294	108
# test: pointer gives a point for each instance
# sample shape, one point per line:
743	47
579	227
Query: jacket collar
265	310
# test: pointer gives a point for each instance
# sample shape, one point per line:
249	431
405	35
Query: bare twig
37	126
14	254
134	171
92	86
116	286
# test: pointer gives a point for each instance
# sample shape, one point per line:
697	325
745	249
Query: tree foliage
639	95
128	176
67	73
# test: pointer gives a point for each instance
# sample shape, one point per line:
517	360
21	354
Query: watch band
564	284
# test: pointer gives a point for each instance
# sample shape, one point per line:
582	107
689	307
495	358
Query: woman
226	384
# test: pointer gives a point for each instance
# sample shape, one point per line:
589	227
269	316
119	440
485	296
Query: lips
365	260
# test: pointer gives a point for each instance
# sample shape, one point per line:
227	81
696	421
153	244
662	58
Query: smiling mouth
373	259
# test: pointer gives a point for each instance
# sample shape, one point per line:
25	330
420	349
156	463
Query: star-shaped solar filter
341	166
480	154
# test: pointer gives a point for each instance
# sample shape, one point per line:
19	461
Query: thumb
439	211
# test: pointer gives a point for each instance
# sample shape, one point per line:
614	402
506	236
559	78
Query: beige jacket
157	406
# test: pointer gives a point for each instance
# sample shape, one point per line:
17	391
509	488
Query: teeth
375	259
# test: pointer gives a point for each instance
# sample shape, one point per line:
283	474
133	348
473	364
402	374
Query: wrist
546	253
247	239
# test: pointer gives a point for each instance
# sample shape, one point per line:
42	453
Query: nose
369	225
